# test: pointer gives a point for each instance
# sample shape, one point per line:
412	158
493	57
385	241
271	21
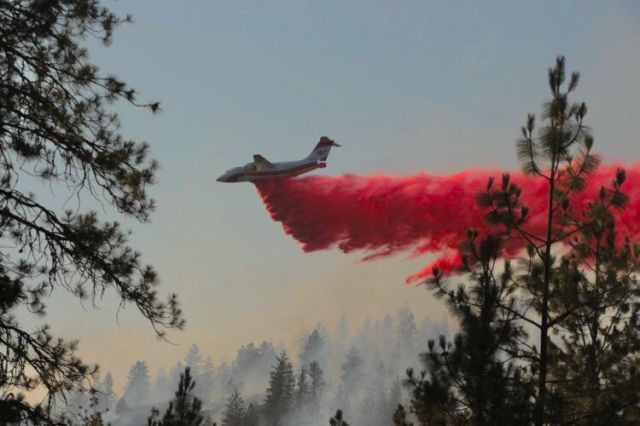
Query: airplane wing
261	162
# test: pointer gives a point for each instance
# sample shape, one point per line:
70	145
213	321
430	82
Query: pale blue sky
403	86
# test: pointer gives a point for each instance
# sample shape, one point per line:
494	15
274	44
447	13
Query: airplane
262	169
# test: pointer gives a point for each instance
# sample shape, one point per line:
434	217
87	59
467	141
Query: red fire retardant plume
381	215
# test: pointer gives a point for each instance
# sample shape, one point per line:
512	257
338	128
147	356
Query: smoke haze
363	366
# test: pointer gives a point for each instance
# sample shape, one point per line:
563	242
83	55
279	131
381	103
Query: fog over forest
362	369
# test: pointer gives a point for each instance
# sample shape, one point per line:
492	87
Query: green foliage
303	391
595	312
317	383
184	409
56	128
467	381
581	301
312	349
234	413
252	416
280	393
556	293
237	414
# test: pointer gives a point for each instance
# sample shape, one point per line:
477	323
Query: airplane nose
220	179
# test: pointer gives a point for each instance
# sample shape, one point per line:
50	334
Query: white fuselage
250	172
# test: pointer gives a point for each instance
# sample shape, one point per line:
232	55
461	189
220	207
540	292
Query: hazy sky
403	86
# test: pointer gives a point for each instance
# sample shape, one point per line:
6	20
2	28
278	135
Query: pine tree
549	290
280	393
252	417
234	413
317	381
193	359
350	378
175	374
56	126
467	381
106	394
185	408
138	387
594	308
313	348
303	391
253	363
375	409
303	410
337	420
317	386
553	148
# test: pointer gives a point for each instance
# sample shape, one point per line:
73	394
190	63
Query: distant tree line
359	372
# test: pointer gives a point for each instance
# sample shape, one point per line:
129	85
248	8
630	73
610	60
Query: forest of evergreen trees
359	370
